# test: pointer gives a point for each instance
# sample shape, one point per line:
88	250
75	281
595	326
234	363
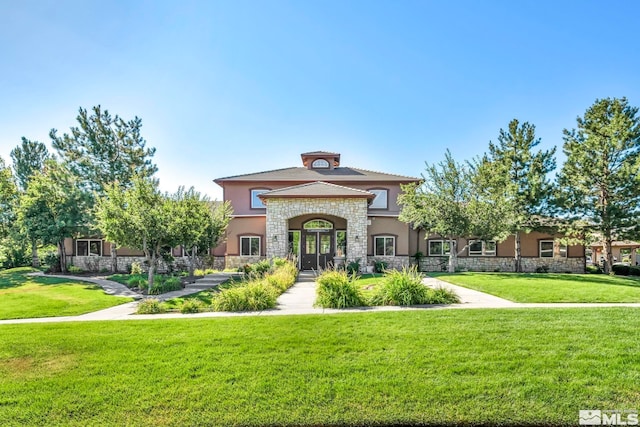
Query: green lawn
533	288
525	366
23	296
369	282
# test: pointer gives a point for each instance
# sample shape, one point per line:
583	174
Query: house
327	214
622	250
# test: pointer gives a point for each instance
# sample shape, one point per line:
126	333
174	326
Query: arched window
320	164
318	224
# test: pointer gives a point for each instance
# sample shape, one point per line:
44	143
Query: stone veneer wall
97	263
354	210
393	262
505	264
239	261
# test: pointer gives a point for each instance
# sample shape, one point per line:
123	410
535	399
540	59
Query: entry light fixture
275	237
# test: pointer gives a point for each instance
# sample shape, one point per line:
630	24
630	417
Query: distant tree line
99	181
509	190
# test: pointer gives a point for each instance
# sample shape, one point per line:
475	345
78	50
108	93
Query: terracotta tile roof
339	174
317	189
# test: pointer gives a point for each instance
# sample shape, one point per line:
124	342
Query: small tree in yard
54	207
28	159
599	185
516	174
447	204
197	222
138	217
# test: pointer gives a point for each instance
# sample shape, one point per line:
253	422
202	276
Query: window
438	248
482	248
250	246
384	246
380	201
318	224
294	242
547	246
320	164
88	247
341	243
256	203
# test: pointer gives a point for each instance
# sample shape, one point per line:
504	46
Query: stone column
356	215
277	228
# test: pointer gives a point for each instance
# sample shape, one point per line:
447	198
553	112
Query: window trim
556	244
483	251
383	236
251	197
249	236
442	242
386	198
89	246
315	166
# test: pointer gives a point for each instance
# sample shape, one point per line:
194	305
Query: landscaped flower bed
258	290
338	289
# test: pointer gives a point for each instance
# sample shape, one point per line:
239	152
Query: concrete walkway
110	287
299	299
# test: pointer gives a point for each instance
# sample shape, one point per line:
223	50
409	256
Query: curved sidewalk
299	299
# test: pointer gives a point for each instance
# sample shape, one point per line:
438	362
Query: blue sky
231	87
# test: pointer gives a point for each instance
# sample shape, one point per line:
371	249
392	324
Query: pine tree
599	184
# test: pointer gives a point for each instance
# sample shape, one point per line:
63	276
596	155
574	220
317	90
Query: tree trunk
518	253
152	267
35	261
192	261
114	258
62	254
608	255
453	256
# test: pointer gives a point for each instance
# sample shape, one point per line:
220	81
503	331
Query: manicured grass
23	296
524	366
541	288
369	282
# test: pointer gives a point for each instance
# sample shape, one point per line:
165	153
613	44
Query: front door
317	249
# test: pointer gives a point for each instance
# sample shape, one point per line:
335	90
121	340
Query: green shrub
353	267
336	289
594	269
401	288
253	296
165	285
74	270
52	261
104	270
441	296
136	268
542	269
283	277
203	272
620	269
149	306
192	305
380	266
137	281
634	270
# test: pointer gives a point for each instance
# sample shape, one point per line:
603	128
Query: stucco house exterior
328	214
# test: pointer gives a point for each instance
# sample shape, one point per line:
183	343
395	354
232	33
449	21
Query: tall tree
103	150
138	217
28	158
446	203
196	222
514	170
54	207
599	183
8	199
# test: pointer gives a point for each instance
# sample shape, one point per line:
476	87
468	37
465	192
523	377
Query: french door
317	247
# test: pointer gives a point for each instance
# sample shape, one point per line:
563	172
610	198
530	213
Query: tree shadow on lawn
15	280
566	277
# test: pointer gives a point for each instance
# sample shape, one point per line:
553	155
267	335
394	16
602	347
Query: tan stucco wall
390	227
245	226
